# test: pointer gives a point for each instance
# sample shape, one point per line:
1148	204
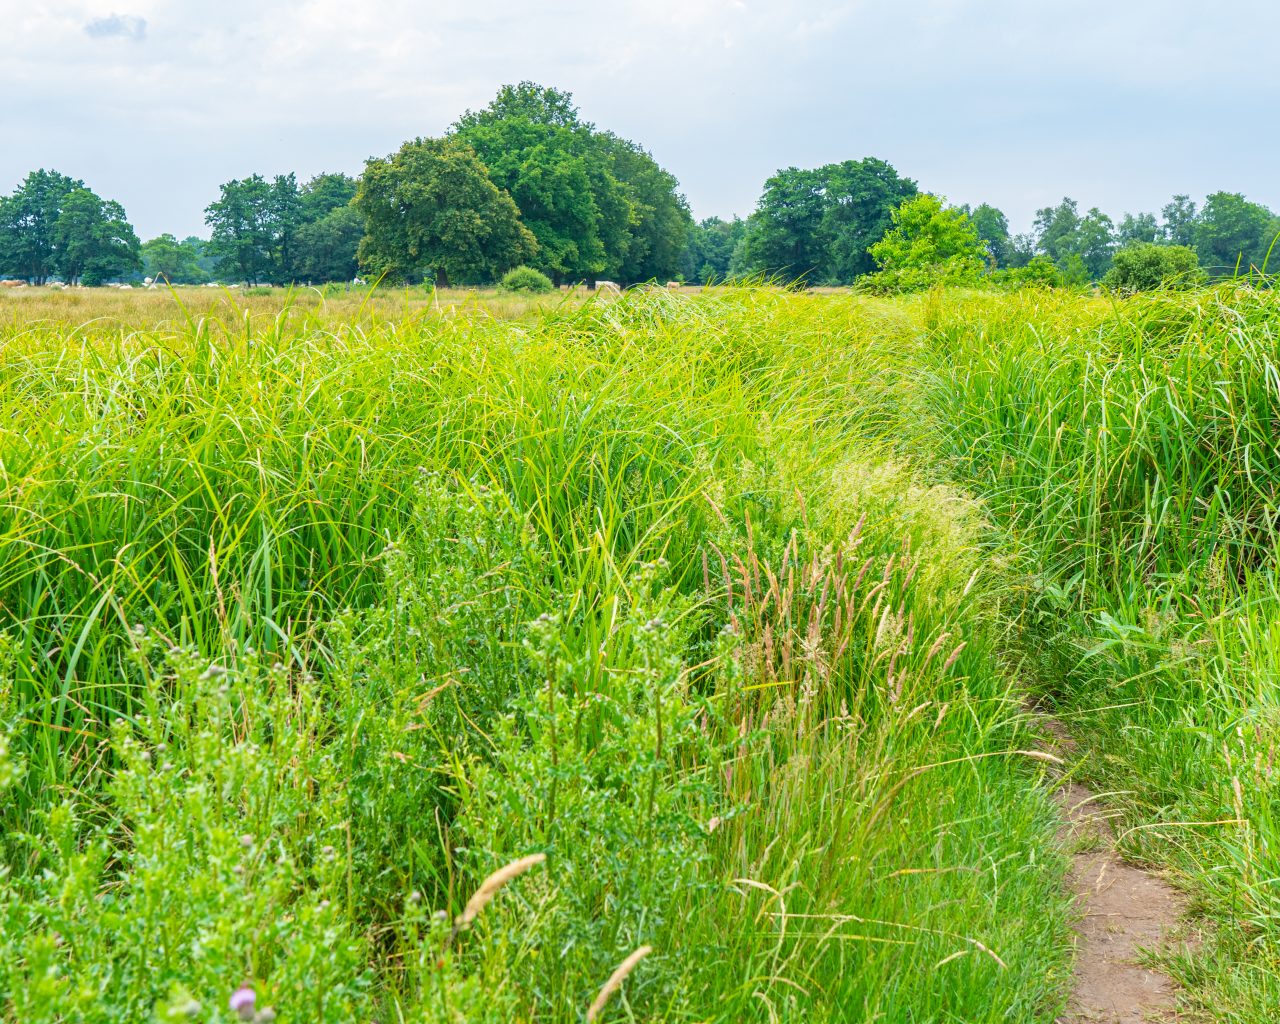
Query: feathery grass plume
489	889
615	981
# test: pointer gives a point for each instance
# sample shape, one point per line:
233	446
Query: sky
1119	104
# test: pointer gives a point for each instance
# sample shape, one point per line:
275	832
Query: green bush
526	279
1145	266
1040	272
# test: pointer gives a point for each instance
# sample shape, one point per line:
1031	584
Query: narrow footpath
1124	910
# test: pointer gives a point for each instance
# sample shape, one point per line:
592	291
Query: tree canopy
1233	232
992	227
1071	239
526	179
166	258
93	240
432	210
278	232
245	228
52	226
710	247
596	203
1143	266
819	224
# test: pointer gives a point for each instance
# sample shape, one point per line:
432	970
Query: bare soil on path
1124	910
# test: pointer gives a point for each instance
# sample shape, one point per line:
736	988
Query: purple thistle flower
242	1000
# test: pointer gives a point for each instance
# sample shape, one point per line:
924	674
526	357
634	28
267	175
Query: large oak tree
432	210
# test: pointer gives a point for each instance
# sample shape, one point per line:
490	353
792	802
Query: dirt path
1125	910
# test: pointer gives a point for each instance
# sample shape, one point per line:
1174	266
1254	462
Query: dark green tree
1074	242
284	218
1232	232
598	205
1023	249
1140	227
993	230
860	198
93	240
27	221
818	224
165	258
658	220
432	209
1180	221
242	238
784	236
1056	228
253	224
1096	242
327	248
710	249
540	153
325	193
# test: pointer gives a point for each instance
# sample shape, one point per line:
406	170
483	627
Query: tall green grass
1129	452
316	618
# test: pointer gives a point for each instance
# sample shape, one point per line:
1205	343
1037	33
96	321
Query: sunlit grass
319	613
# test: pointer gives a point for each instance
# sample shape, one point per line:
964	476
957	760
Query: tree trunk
442	279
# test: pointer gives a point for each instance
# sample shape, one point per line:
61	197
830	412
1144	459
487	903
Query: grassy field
714	618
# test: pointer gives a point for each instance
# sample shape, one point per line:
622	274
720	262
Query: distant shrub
526	279
956	271
1041	271
1073	273
1147	266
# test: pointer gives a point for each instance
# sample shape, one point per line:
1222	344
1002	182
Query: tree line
526	182
822	226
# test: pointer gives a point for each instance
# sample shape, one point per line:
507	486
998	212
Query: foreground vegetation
316	623
713	617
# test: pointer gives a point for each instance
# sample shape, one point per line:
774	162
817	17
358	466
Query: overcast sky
1119	104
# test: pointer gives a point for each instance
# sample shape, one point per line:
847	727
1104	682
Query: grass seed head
490	887
615	981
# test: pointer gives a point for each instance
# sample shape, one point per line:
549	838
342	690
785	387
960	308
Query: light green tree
929	243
